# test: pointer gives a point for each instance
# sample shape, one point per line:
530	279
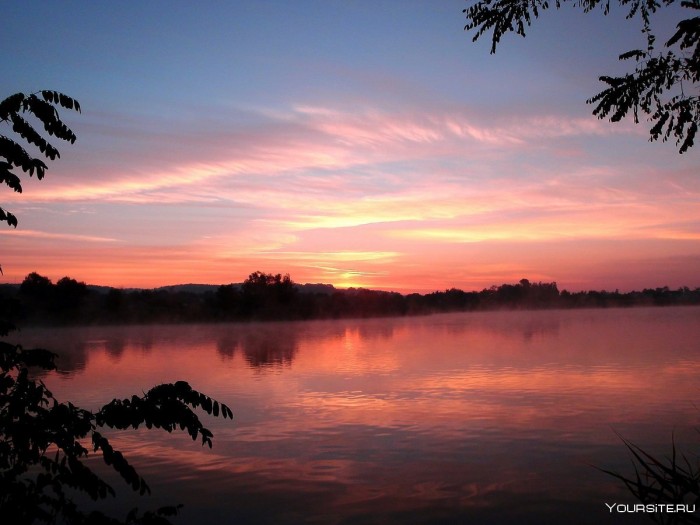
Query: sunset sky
354	143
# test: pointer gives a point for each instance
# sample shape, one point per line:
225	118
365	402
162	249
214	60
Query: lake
487	418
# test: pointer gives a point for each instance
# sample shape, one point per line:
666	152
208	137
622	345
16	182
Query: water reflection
522	325
264	346
115	347
482	418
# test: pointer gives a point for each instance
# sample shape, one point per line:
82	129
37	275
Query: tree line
45	475
265	297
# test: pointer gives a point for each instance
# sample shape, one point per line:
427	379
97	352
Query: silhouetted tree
68	297
41	106
268	295
274	297
664	85
43	441
114	303
36	287
227	300
35	293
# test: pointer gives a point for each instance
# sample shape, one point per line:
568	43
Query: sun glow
414	198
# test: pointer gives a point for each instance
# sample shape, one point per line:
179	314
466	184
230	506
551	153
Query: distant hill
312	288
189	288
318	288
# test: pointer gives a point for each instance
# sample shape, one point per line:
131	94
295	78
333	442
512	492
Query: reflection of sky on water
488	417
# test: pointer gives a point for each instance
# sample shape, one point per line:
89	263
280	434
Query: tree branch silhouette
41	106
665	83
43	441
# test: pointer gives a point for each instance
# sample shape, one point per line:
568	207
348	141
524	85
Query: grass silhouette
673	480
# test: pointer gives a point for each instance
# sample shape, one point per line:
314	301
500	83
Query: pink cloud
409	199
191	166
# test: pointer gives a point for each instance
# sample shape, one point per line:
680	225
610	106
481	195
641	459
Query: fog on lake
493	417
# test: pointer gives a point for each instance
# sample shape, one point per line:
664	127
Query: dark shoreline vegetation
268	297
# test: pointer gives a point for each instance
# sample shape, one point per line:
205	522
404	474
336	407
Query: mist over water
492	417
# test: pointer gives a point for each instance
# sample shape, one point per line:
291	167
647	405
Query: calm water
461	418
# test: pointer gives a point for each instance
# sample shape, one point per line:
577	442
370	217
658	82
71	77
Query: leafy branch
42	440
664	85
40	105
38	433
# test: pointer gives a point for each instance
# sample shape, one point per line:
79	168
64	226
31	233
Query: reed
673	480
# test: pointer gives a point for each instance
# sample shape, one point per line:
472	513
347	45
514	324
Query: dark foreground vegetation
276	297
45	475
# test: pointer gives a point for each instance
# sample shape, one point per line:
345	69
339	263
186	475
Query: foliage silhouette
265	298
43	442
40	106
664	84
674	481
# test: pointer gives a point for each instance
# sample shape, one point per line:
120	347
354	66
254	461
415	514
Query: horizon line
339	288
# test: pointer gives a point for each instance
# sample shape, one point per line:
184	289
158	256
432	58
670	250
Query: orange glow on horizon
412	201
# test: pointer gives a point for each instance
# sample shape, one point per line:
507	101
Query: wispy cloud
190	167
368	198
36	234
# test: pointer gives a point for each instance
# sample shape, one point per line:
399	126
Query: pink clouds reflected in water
443	416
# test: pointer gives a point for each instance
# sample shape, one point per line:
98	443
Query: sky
356	143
